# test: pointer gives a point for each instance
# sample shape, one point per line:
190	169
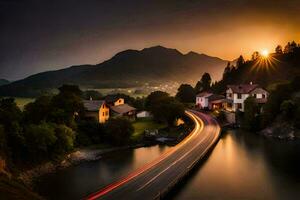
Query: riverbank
85	155
281	131
74	158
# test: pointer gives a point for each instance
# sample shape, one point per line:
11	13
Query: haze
37	36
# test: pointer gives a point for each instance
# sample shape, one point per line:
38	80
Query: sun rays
265	62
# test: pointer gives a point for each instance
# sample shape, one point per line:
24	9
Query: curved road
154	179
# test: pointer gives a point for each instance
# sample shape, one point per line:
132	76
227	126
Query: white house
202	100
143	114
239	93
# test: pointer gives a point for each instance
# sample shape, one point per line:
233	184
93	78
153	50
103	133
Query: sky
40	35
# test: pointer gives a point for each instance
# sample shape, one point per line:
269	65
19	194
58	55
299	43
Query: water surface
246	166
241	166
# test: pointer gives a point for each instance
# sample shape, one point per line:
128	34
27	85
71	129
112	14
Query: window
254	95
239	105
239	96
229	95
263	96
103	114
106	113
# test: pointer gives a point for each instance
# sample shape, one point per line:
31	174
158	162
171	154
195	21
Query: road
154	179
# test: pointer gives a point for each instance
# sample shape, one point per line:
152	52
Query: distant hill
126	69
4	82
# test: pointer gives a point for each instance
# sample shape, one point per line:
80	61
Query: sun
265	53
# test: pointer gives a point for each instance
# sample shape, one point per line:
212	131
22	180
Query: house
216	101
124	110
239	93
143	114
113	100
202	100
207	100
97	109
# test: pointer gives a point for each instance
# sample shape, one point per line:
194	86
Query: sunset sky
44	35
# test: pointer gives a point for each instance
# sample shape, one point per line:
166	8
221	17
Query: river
241	166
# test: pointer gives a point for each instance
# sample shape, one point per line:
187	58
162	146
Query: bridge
154	180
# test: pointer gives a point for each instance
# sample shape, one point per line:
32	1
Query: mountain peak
192	53
160	49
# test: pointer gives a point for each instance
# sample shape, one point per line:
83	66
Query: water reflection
79	181
242	166
246	166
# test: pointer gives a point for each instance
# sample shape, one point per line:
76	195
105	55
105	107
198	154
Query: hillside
126	69
268	72
4	82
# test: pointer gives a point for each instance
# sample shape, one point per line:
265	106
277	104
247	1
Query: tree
256	55
240	61
276	97
70	90
250	119
290	47
227	71
10	119
65	139
37	111
92	94
154	98
288	108
278	49
90	132
204	84
167	110
40	140
186	93
66	105
9	113
119	130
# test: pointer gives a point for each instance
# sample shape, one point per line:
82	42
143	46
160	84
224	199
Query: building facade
97	109
237	94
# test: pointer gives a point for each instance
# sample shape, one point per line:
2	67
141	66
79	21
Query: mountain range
128	68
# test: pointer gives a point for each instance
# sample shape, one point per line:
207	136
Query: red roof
242	88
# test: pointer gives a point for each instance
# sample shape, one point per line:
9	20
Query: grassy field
140	125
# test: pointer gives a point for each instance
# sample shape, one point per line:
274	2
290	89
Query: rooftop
204	94
92	105
243	88
122	109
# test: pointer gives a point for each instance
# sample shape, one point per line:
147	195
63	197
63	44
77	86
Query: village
232	101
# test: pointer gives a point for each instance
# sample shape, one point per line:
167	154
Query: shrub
65	139
40	139
119	131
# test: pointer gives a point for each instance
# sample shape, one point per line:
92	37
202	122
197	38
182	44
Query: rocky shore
282	131
74	158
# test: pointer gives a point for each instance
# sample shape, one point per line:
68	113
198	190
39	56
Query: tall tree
255	55
226	71
204	84
154	98
278	49
250	120
240	61
186	93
